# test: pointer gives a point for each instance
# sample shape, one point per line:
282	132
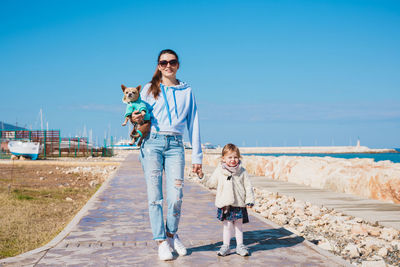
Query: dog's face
131	94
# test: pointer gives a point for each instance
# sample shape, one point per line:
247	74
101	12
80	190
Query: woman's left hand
197	168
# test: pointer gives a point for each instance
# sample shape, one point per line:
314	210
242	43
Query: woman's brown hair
155	81
230	148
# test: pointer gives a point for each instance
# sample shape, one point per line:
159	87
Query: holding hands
197	168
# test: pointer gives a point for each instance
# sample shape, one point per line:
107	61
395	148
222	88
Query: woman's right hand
137	117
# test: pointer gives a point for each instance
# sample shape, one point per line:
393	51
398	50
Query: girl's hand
137	117
197	168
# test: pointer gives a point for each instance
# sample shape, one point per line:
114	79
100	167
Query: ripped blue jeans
163	153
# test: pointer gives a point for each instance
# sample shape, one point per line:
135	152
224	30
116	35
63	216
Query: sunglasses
164	63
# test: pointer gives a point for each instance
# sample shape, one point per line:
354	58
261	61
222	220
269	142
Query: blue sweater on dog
137	105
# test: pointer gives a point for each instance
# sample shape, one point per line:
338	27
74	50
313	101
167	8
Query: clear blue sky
266	73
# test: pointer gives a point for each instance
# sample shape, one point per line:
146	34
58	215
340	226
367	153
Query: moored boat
124	145
26	149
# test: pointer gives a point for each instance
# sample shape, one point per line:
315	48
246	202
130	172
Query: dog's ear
138	88
123	87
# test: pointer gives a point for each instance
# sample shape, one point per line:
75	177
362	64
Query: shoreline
309	150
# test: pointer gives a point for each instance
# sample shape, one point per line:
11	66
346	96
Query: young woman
173	107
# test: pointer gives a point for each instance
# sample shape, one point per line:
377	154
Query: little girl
234	193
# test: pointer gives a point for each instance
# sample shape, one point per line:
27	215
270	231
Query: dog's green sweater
137	105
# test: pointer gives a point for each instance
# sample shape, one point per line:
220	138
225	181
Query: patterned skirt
233	214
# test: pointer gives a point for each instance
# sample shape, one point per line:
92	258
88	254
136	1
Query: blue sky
266	73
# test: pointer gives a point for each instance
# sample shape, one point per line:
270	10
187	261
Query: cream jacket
236	192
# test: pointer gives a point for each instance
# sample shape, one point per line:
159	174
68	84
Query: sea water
393	157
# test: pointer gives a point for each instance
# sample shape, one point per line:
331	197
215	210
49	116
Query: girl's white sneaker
242	250
164	251
177	245
224	250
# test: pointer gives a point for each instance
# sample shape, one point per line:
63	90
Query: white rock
314	211
376	258
274	209
396	244
325	245
305	223
372	244
380	263
359	220
270	203
389	234
352	250
299	205
295	221
301	229
93	183
68	199
383	252
281	219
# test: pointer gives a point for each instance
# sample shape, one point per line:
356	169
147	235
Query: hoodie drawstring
166	105
176	109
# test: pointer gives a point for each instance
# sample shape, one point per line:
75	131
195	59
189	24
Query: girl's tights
229	227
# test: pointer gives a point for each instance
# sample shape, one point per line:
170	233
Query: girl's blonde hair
230	148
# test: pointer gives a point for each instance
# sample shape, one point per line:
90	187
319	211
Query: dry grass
34	206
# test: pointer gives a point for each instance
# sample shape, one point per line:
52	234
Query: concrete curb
65	232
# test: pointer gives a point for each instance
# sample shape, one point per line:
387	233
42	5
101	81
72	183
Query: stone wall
362	177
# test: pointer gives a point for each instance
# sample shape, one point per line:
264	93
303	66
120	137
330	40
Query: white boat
26	149
208	146
124	145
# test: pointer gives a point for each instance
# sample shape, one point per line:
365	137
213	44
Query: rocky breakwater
362	177
360	242
354	239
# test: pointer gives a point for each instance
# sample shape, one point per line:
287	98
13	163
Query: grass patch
34	217
21	195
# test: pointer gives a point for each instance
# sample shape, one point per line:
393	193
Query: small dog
134	103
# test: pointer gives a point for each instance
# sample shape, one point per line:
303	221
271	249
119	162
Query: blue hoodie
173	115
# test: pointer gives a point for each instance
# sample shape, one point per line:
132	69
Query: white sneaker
177	245
242	250
164	251
223	251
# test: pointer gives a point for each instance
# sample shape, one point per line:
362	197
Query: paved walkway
114	230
